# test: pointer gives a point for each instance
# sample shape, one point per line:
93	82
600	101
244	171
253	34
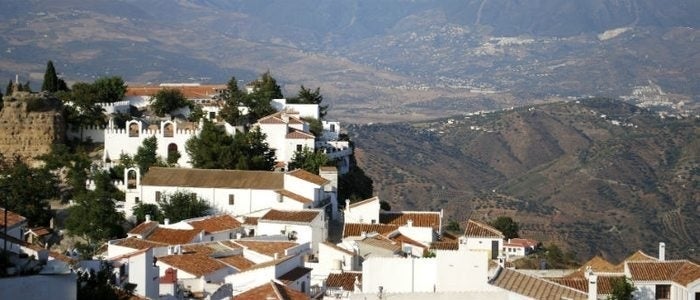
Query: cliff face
29	125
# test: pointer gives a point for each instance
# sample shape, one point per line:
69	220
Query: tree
507	226
255	151
9	88
453	226
196	113
233	97
182	205
315	126
96	285
168	100
83	111
142	209
622	289
216	149
146	154
307	96
50	78
264	90
28	190
308	160
109	89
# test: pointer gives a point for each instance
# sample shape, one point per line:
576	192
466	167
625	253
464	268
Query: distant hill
387	60
593	175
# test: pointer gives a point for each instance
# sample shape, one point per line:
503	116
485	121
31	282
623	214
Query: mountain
386	60
597	176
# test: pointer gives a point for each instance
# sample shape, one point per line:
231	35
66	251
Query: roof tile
304	216
13	218
345	281
534	287
420	219
181	177
356	229
215	223
271	291
308	176
481	230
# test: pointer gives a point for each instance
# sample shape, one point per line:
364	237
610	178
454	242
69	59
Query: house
301	225
341	285
480	236
363	212
287	133
332	258
519	247
15	223
236	192
138	268
523	286
274	290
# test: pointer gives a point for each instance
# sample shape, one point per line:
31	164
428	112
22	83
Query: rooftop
294	274
271	291
137	243
307	176
13	218
188	90
238	262
420	219
181	177
144	228
196	264
679	271
345	281
173	236
356	229
295	197
534	287
268	248
481	230
304	216
215	223
604	283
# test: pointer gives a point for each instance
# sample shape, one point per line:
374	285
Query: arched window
168	130
133	130
131	179
173	154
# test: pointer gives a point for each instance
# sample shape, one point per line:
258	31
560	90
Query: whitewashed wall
364	213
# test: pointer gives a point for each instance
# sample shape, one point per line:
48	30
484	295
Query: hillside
591	175
375	61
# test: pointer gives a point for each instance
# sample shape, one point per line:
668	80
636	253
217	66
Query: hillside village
285	233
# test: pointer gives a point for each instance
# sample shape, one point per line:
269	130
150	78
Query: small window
299	148
332	127
158	195
211	238
231	199
663	291
137	200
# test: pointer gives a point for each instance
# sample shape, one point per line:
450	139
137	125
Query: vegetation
622	289
507	226
182	205
307	96
233	97
97	285
453	227
146	154
168	100
27	190
109	89
142	209
215	149
308	160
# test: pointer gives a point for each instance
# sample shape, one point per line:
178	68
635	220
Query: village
286	233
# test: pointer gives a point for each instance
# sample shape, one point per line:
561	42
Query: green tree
385	206
264	90
232	97
453	226
182	205
307	96
142	209
50	78
211	149
315	126
622	289
146	154
83	110
109	89
255	151
196	113
94	218
308	160
9	88
96	285
27	190
168	100
507	226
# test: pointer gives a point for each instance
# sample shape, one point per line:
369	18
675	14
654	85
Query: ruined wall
29	124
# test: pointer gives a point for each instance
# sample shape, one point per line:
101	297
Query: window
158	195
332	127
663	291
231	199
299	148
137	200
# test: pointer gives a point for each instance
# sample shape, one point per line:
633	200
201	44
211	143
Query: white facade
313	232
304	110
364	212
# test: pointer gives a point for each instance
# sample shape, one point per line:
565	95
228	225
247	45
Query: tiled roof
271	291
144	228
173	236
345	281
338	248
481	230
599	264
195	264
604	283
295	197
215	223
239	262
251	220
181	177
310	177
268	248
190	92
356	229
534	287
13	218
449	245
363	202
682	272
299	135
424	219
640	256
304	216
136	243
525	243
400	238
40	231
448	237
382	242
294	275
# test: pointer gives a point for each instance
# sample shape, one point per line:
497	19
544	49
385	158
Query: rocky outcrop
30	123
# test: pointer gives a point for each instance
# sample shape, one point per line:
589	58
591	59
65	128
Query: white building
303	226
286	133
138	268
482	237
236	192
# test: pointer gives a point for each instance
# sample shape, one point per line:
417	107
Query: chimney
347	205
275	256
238	236
592	287
662	251
148	218
166	221
409	223
363	234
200	236
170	250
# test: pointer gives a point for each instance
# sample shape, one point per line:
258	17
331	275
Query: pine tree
50	79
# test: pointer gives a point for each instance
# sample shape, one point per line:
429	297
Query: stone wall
29	124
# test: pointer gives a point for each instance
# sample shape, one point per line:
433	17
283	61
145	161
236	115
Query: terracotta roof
363	202
338	248
40	231
295	197
238	262
195	264
604	283
518	242
345	281
219	248
448	237
173	236
268	248
271	291
356	229
682	272
13	218
137	243
426	219
449	245
382	242
144	228
310	177
304	216
189	91
299	135
181	177
599	264
400	238
294	275
481	230
534	287
215	223
640	256
250	220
